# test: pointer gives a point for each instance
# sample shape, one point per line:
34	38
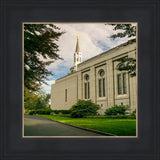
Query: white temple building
97	79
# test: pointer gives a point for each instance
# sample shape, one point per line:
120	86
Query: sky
94	38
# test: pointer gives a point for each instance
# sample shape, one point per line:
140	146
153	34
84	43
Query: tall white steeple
77	55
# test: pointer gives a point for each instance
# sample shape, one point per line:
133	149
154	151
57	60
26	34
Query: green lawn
119	127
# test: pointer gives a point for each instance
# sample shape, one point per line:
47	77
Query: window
119	84
86	77
100	89
101	83
103	87
86	87
122	83
88	91
101	73
65	95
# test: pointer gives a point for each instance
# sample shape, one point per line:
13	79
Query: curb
87	129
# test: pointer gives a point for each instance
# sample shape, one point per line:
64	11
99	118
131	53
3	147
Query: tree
40	50
126	30
36	100
126	63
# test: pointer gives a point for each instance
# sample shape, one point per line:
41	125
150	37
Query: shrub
133	113
26	112
84	108
52	113
117	110
60	113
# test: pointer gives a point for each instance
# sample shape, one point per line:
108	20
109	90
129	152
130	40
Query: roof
121	45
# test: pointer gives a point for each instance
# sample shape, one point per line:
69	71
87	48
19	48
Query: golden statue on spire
77	46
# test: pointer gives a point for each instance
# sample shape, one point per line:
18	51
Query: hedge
40	111
61	111
48	111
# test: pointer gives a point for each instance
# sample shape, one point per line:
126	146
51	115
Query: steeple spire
77	55
77	46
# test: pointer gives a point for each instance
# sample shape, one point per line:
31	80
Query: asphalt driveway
40	126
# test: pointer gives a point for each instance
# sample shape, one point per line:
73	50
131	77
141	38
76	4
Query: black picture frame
13	13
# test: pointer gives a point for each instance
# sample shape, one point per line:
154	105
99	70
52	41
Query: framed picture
144	145
93	80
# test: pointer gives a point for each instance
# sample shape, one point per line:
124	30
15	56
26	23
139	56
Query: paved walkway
40	126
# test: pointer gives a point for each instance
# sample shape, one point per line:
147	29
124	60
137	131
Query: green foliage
26	112
127	64
40	49
62	111
117	110
126	30
52	113
35	100
84	108
46	111
133	113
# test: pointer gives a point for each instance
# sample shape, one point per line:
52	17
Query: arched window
86	87
101	83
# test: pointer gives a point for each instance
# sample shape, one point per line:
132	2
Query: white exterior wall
74	83
58	93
